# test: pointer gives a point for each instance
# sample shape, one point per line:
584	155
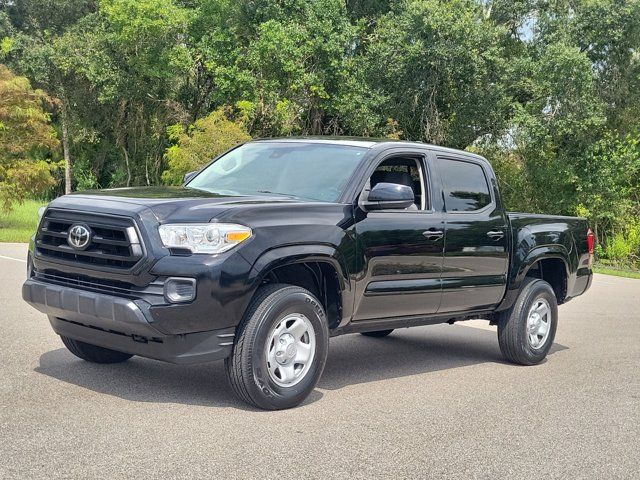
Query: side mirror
389	195
189	176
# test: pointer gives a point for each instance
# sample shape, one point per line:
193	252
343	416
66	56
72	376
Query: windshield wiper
276	193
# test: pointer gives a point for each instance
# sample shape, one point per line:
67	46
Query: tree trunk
65	148
126	161
146	170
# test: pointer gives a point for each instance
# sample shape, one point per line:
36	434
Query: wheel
93	353
378	333
280	349
527	330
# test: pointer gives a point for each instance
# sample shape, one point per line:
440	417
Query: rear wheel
378	333
281	348
526	331
93	353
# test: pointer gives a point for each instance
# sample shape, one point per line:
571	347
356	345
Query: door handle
496	234
433	234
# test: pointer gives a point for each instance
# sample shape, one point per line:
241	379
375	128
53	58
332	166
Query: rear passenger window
465	185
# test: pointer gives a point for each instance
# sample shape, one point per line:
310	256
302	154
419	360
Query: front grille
114	242
101	285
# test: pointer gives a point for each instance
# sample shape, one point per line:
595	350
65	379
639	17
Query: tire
271	385
517	342
378	333
93	353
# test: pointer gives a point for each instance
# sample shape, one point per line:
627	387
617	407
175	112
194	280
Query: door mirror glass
385	196
189	176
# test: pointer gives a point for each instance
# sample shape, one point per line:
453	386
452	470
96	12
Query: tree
132	63
114	72
201	142
281	63
439	67
26	136
35	25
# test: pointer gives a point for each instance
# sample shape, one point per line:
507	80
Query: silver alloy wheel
290	349
538	323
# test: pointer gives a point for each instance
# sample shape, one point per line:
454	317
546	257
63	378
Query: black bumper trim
96	309
121	324
180	349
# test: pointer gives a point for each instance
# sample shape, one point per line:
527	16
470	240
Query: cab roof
365	142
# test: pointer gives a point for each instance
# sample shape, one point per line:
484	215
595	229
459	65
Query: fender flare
288	255
534	255
542	253
292	254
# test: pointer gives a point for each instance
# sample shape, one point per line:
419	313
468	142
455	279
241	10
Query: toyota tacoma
278	245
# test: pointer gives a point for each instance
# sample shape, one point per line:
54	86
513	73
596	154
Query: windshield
313	171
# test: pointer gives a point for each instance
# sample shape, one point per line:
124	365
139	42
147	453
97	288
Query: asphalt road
425	402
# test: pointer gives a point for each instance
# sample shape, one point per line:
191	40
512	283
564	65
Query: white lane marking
14	259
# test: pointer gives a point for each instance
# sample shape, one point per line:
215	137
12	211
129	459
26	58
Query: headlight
203	238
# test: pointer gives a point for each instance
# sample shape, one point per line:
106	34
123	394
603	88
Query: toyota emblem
79	237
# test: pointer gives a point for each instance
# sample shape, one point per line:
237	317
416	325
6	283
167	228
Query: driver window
405	171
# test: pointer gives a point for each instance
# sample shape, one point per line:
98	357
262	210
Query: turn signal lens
237	236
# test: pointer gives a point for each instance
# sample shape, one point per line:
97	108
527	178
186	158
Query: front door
401	249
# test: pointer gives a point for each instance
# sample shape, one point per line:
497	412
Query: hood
177	204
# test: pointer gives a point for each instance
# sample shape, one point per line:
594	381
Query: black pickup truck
278	245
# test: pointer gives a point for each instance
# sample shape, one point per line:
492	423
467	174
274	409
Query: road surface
434	401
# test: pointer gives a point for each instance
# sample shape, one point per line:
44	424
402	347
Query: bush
24	179
618	248
624	248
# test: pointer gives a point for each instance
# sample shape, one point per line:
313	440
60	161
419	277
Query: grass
617	272
19	224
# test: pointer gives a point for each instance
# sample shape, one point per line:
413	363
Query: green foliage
146	33
607	182
549	91
25	136
24	125
200	143
287	69
24	179
623	248
509	167
84	176
618	248
438	66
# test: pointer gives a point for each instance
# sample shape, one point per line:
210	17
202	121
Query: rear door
474	269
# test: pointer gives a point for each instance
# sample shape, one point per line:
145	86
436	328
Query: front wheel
527	330
281	348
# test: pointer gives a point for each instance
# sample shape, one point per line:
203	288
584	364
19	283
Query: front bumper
122	324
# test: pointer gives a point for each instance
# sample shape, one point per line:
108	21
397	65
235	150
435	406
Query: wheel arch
557	272
320	269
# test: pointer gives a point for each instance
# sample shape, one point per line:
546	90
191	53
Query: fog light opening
180	290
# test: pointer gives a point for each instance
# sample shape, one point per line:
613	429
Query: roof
350	141
365	142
